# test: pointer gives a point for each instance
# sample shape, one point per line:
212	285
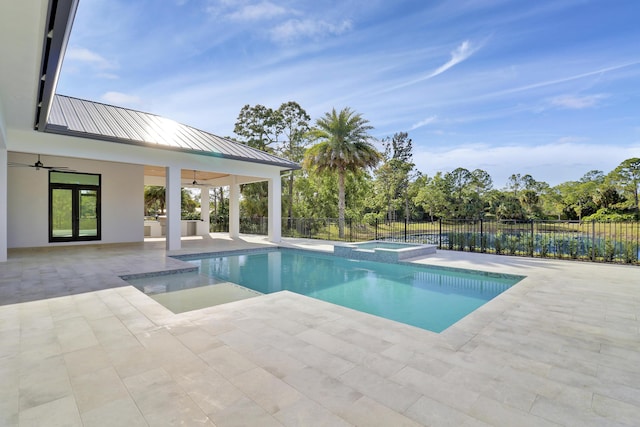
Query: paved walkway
80	348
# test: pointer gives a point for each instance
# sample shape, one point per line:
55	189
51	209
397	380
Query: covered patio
119	149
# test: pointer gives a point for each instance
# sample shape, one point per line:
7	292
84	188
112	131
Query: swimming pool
426	297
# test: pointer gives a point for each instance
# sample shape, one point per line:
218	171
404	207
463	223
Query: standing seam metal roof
79	117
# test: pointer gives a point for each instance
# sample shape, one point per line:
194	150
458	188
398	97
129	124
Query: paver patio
79	347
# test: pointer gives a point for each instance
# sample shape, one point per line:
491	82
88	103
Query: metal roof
88	119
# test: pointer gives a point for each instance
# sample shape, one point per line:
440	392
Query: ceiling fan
39	165
195	182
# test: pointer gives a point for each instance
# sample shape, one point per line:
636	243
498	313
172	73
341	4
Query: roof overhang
36	34
59	22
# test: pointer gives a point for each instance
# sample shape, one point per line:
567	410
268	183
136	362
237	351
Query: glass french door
74	207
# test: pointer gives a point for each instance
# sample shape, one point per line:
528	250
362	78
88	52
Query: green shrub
630	252
473	237
573	248
609	250
497	243
544	245
512	244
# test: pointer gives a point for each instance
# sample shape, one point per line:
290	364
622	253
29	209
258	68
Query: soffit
21	35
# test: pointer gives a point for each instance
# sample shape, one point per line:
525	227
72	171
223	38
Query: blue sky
548	88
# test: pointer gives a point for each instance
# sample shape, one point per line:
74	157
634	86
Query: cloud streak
458	55
295	29
577	102
88	56
425	122
258	12
566	79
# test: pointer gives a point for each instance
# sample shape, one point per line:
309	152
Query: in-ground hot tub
379	250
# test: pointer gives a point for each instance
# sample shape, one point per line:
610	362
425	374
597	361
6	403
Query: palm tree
344	146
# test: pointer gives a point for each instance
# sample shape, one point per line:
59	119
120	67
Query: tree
294	122
154	200
394	174
282	131
626	177
431	195
256	127
344	147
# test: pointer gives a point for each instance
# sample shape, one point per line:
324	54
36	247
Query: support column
204	211
3	202
275	210
173	201
234	209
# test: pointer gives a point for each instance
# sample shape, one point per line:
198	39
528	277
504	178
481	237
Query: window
74	206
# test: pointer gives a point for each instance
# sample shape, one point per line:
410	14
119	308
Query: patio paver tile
61	412
306	412
120	412
369	412
380	389
560	348
267	390
429	412
97	388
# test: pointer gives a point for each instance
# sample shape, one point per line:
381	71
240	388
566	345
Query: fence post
593	240
376	235
405	229
440	233
483	249
532	240
350	229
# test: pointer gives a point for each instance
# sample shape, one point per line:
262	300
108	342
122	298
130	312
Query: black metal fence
617	242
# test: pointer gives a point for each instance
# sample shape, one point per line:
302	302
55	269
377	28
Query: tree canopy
386	185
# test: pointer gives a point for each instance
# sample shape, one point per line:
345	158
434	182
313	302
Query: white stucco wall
3	187
28	192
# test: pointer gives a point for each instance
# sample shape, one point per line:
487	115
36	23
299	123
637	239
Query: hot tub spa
378	250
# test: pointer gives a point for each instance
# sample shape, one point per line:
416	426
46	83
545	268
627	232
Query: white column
3	202
204	211
275	210
4	208
173	204
234	209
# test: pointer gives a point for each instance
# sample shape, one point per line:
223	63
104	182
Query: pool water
429	298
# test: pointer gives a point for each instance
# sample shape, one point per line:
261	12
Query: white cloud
259	11
308	28
552	163
121	99
577	102
425	122
108	76
458	55
89	57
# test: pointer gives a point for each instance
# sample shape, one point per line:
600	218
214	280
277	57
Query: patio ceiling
187	176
